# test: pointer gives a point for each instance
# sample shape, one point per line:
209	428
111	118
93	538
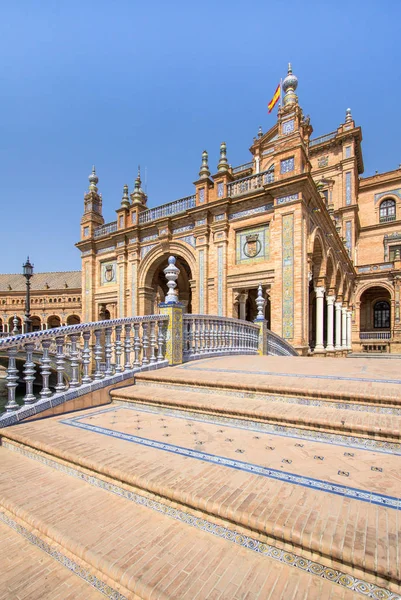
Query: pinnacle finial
125	198
171	272
260	131
93	179
290	84
348	115
223	162
260	303
204	172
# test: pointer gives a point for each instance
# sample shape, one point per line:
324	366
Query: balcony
167	210
375	335
248	184
105	229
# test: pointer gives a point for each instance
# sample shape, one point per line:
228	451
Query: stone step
375	430
30	572
342	380
318	502
145	550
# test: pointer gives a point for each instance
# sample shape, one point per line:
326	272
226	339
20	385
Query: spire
223	162
125	198
290	84
204	172
260	131
348	116
93	180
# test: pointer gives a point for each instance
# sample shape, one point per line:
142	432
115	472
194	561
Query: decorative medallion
252	245
108	271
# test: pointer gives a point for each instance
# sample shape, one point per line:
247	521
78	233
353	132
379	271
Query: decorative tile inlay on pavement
360	586
287	477
85	574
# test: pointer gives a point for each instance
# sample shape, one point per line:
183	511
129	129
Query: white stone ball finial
171	272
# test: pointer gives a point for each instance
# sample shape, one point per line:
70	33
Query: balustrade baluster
206	334
196	336
127	346
108	351
118	349
12	379
98	355
86	357
45	392
202	336
60	364
160	341
185	338
152	342
145	343
74	360
137	346
29	372
211	340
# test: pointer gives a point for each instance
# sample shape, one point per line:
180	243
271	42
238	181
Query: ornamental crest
252	245
109	273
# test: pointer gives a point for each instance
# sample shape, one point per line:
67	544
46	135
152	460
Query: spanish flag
275	98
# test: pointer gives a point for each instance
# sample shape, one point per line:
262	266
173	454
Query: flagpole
281	92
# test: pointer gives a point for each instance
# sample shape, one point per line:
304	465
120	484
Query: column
349	329
330	322
242	306
319	291
338	306
344	328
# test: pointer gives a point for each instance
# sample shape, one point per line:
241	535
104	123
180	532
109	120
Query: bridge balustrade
206	335
82	354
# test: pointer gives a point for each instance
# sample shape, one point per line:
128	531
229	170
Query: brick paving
27	573
157	454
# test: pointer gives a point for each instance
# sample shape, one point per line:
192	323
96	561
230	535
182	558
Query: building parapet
323	138
250	183
244	167
167	210
105	229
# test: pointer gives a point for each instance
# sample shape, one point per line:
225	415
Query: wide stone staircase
219	479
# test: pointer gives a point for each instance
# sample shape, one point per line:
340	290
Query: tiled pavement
289	501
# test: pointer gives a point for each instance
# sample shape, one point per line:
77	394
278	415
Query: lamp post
27	273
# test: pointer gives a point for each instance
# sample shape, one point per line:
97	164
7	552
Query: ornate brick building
55	300
298	217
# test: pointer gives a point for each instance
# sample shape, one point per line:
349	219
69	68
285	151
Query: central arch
153	284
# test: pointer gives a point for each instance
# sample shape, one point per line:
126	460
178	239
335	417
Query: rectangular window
348	198
121	222
348	152
395	253
348	236
86	231
201	195
287	165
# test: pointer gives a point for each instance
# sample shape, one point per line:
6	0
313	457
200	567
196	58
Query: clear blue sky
127	82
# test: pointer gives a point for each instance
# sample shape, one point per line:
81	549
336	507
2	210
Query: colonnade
338	323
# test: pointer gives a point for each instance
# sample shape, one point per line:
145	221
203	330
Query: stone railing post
261	322
174	310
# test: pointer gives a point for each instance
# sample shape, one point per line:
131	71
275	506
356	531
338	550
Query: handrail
167	210
252	182
277	346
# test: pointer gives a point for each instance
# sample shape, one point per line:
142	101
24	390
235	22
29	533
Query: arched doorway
36	323
375	312
73	320
155	289
53	321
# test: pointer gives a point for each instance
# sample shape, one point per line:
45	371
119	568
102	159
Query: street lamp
27	273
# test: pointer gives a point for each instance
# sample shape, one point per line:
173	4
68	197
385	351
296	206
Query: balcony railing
387	218
322	139
167	210
248	184
375	335
105	229
243	167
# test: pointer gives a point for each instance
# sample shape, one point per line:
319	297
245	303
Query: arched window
387	211
381	314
